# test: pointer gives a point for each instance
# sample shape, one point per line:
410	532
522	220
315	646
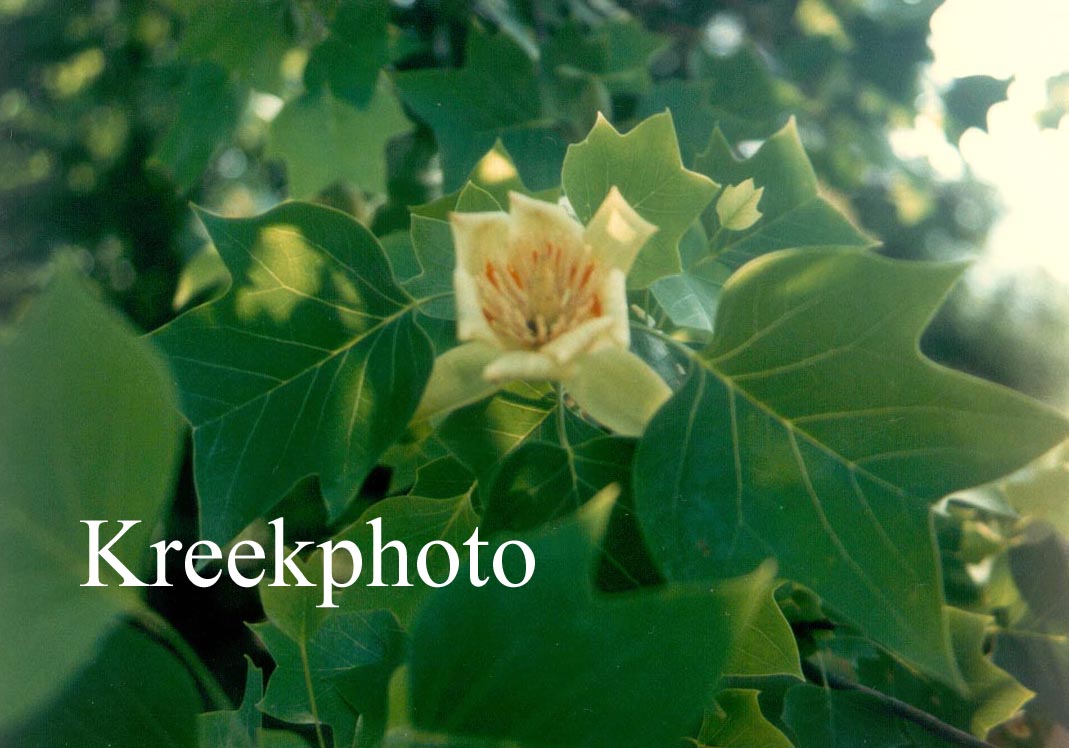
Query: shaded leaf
89	431
324	139
133	693
209	106
356	48
304	686
470	108
481	657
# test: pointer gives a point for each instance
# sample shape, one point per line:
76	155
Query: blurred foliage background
116	115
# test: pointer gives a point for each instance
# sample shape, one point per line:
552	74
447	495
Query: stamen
535	294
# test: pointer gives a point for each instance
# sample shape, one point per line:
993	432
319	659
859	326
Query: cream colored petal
616	233
617	389
542	222
471	323
526	365
456	380
614	306
565	347
477	236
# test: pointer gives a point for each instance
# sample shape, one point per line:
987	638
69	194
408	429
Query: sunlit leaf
814	431
312	363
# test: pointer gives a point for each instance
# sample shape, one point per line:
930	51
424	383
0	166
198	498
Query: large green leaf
813	430
88	431
557	663
470	108
644	164
323	139
312	363
134	693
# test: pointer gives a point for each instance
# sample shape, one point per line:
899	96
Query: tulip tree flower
541	298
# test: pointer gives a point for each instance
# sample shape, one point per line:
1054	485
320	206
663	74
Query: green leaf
312	363
539	481
480	435
133	693
489	663
812	430
247	38
89	431
767	646
793	214
438	507
432	244
993	696
237	728
822	718
203	278
737	722
304	687
209	106
470	108
324	139
356	48
645	166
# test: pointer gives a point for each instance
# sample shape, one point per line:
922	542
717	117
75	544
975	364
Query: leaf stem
952	735
306	667
161	629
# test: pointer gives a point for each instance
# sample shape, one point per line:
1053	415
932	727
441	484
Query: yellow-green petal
457	380
617	389
616	233
476	236
526	365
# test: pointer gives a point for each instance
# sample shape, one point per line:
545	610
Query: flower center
536	294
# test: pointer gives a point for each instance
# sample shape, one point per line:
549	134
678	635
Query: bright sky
1026	39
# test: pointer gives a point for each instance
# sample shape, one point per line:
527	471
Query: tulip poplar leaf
312	363
812	430
481	657
324	139
469	109
644	164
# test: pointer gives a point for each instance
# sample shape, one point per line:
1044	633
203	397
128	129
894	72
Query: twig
949	733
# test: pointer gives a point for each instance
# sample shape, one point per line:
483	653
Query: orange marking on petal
489	317
587	272
491	275
515	276
596	308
